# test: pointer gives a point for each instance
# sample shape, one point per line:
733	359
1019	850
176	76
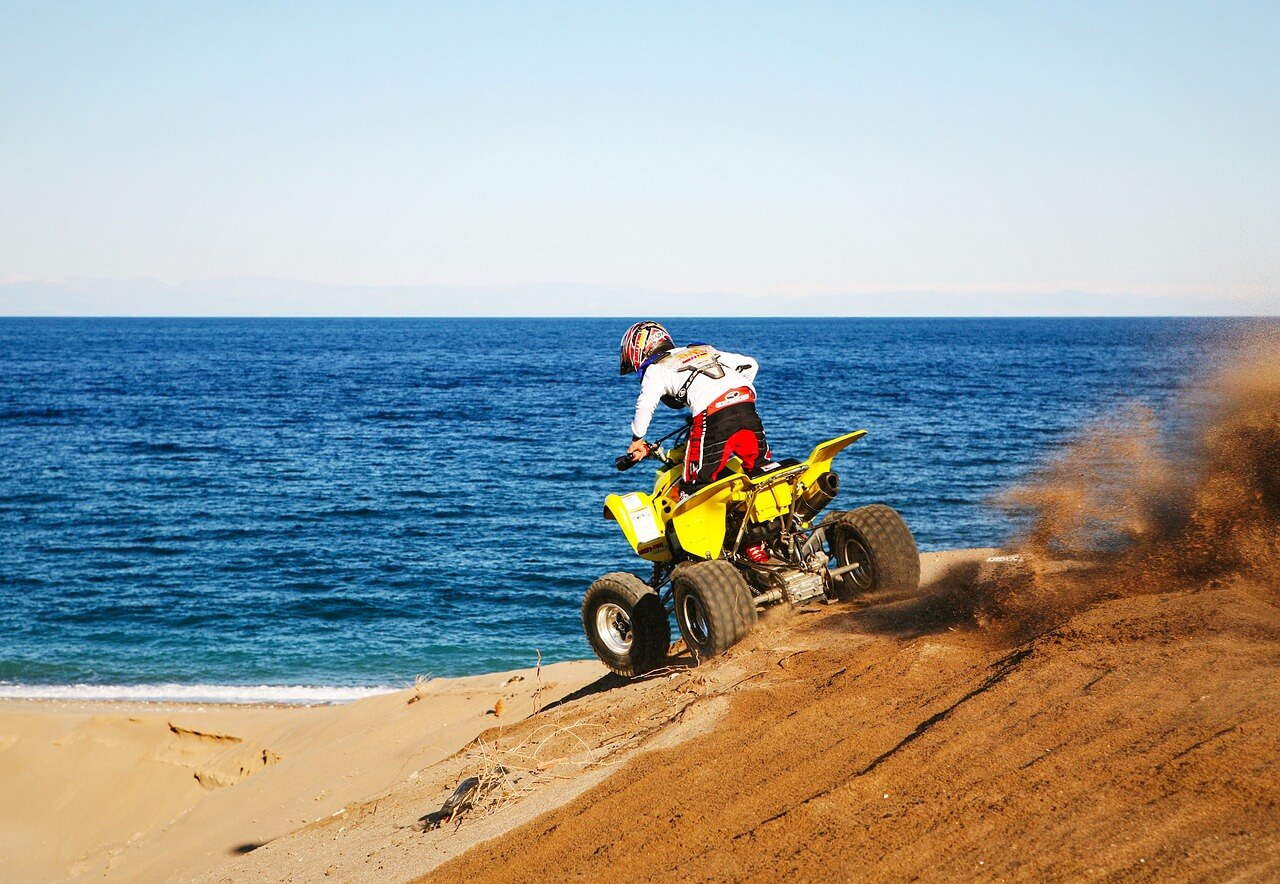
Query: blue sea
307	510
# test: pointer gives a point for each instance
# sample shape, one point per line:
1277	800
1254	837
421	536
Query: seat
772	466
772	472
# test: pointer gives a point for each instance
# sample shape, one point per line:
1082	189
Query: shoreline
198	694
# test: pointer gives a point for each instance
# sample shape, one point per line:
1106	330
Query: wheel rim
852	551
694	617
613	626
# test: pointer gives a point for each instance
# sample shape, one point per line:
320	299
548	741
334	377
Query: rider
718	387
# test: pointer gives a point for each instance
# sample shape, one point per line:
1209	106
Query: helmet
640	342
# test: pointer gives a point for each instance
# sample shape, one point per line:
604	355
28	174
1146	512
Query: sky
620	159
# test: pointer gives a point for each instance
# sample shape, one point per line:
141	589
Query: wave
427	493
174	448
301	695
24	414
362	512
31	498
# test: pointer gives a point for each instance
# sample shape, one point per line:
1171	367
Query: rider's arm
651	390
743	365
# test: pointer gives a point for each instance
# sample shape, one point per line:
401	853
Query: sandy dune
1142	736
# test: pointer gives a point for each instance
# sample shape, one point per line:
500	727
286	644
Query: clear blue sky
862	158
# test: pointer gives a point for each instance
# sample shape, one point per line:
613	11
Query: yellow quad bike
744	542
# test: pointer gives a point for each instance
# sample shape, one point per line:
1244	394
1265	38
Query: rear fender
820	460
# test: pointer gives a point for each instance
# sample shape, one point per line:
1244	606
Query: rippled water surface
353	502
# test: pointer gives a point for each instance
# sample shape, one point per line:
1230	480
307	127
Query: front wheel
626	624
878	541
713	607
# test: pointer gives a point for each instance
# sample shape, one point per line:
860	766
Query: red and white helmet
640	342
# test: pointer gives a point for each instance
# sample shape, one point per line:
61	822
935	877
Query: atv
739	544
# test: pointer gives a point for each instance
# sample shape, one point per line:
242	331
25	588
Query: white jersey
696	375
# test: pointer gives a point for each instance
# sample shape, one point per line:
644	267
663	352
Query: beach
153	791
887	739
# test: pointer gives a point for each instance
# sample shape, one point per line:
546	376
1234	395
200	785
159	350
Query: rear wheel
713	607
626	624
878	541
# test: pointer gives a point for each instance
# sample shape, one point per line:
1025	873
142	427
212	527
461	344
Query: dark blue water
354	502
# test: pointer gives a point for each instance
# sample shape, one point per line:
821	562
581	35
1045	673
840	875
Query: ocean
309	510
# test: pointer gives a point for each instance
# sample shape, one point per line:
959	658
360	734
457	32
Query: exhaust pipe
816	496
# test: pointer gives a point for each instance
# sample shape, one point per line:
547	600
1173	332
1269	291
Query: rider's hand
639	450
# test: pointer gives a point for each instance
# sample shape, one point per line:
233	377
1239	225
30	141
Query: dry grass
419	686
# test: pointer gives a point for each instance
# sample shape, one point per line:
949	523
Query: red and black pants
729	427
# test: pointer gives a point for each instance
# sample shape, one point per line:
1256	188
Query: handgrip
625	462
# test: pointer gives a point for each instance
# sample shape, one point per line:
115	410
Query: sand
1141	738
898	737
147	791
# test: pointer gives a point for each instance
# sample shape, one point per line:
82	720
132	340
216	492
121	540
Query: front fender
699	520
640	524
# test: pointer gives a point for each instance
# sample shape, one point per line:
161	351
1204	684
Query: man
718	387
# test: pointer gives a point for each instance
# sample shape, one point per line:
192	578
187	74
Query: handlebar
626	462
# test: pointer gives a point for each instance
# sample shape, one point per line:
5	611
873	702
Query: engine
798	587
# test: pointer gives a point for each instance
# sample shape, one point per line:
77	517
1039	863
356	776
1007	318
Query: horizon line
551	316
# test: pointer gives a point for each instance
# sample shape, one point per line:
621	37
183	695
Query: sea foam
306	695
